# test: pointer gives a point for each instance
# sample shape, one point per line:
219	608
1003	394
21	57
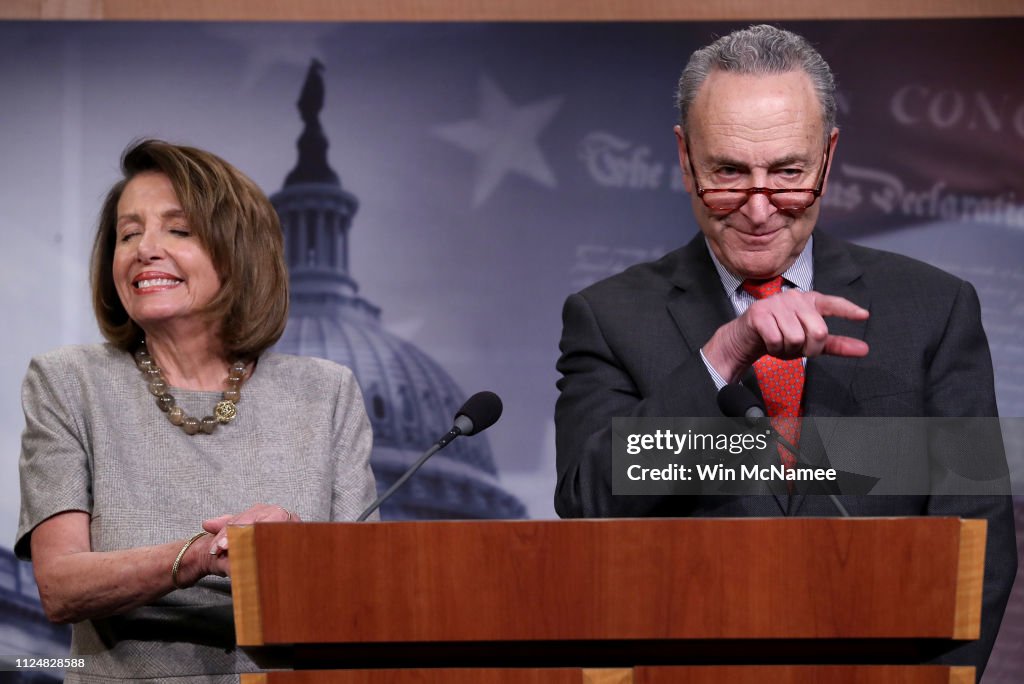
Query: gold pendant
225	411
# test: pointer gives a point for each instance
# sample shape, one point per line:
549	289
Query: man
830	328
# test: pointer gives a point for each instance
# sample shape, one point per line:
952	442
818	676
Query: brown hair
236	224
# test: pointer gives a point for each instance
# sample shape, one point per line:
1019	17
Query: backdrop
496	168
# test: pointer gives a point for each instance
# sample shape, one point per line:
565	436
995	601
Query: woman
138	453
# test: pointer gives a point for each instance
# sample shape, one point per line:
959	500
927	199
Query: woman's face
162	273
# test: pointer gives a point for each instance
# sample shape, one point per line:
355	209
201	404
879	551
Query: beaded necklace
224	412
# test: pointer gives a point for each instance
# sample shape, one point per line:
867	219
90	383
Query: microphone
480	412
737	401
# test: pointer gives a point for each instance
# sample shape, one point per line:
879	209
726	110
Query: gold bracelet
181	554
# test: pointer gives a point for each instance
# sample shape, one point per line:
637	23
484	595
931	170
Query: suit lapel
699	306
827	389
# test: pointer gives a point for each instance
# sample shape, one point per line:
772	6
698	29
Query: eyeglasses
786	199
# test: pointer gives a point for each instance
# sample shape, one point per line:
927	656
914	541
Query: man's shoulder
875	259
897	272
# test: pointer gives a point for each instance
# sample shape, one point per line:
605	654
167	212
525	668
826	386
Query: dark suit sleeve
601	380
961	384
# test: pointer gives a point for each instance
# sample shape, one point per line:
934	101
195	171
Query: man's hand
789	325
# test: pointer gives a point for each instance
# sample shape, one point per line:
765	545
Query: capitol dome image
409	397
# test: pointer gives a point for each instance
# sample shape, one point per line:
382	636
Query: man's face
755	131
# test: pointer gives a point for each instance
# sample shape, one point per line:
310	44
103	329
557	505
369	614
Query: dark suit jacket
630	348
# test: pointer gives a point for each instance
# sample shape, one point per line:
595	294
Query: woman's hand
77	583
260	512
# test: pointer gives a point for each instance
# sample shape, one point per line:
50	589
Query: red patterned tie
782	382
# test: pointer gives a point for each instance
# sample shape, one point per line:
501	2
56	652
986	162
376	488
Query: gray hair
759	50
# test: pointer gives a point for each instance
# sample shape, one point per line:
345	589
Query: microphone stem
452	434
796	454
407	474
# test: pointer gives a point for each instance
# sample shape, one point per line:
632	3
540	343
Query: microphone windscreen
736	399
483	409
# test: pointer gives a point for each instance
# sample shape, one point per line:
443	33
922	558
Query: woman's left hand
260	512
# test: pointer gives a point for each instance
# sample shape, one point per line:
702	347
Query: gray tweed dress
95	441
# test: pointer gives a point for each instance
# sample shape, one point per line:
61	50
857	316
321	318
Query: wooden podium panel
609	580
608	601
805	674
566	675
809	674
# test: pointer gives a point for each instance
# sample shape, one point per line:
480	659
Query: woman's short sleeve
54	464
354	487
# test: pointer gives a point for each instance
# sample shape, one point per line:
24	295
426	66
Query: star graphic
504	139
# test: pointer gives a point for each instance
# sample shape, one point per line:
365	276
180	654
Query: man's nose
758	208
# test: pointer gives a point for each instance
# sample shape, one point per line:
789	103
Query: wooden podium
608	601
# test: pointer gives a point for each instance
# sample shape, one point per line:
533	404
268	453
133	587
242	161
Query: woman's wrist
183	572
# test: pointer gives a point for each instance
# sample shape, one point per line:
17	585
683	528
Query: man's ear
833	140
684	163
